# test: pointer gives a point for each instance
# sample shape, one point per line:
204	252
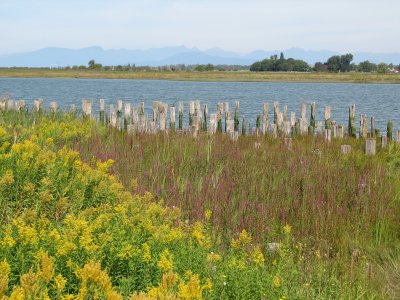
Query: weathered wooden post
213	123
373	127
390	130
135	119
180	116
313	117
320	128
228	115
265	117
234	136
143	118
274	129
3	104
119	114
244	129
276	110
286	128
10	105
352	120
397	137
328	122
20	105
345	149
38	105
127	115
384	141
113	117
284	113
370	146
220	108
53	107
293	122
191	112
172	118
280	120
163	116
363	126
258	125
303	120
288	143
328	135
236	116
205	117
102	116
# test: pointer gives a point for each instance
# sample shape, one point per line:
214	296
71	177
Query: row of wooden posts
134	119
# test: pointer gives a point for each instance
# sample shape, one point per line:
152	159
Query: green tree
382	68
333	63
366	66
319	67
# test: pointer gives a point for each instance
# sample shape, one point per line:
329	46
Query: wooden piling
180	111
313	116
328	135
53	107
352	123
389	130
363	126
373	127
220	108
135	119
236	117
38	105
327	113
276	110
101	110
163	109
191	112
172	118
213	123
370	146
265	117
384	141
205	117
345	149
127	115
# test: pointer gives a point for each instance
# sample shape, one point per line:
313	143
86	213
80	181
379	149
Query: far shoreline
211	76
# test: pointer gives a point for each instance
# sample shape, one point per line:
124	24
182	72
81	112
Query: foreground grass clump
70	230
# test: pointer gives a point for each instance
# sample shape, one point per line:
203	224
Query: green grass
244	76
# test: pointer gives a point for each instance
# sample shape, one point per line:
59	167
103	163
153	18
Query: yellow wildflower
208	285
47	266
258	256
213	257
60	282
287	229
191	289
8	241
276	281
49	142
166	261
146	257
4	273
244	237
7	179
208	214
318	254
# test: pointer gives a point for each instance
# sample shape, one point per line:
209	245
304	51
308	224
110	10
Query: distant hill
61	57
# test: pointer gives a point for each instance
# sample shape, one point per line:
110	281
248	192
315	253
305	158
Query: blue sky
242	26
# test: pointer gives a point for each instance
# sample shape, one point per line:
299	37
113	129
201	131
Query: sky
240	26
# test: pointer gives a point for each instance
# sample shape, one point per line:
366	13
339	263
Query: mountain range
61	57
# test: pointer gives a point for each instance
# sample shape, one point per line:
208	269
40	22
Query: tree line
336	63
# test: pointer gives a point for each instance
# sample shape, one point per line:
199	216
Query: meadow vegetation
90	212
241	76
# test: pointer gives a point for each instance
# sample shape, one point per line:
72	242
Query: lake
381	101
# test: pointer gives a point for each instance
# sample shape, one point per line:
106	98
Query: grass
77	217
244	76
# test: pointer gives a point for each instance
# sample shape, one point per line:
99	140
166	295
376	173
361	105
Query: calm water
379	100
